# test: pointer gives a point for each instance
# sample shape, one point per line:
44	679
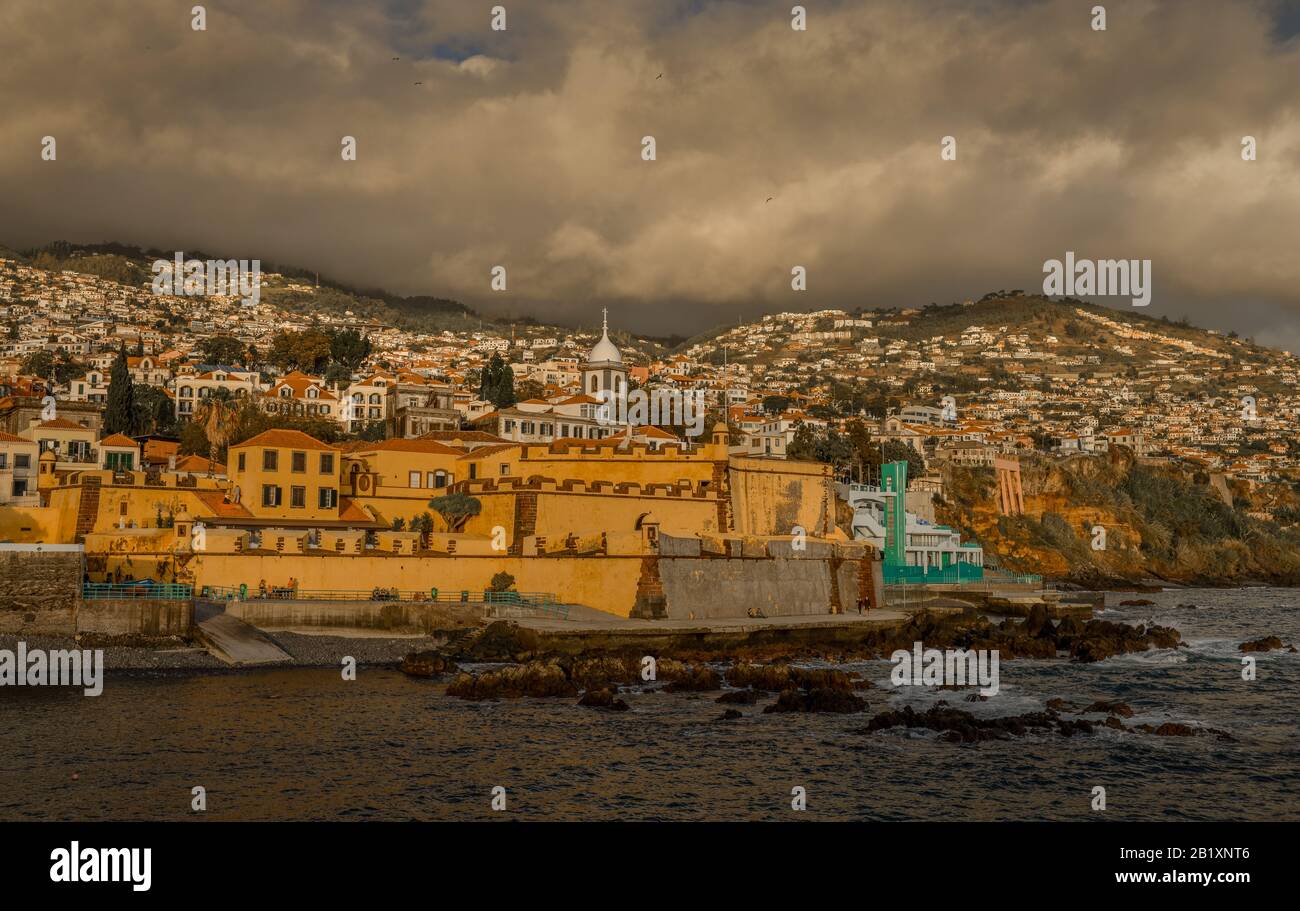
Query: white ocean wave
1156	657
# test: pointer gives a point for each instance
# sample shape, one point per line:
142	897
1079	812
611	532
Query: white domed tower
604	368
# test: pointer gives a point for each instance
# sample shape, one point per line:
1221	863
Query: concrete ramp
235	642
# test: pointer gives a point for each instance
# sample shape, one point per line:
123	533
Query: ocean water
307	745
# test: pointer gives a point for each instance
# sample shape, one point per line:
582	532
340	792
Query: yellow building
396	478
286	475
18	466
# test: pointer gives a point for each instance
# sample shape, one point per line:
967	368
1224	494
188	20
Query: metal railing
430	595
157	591
964	575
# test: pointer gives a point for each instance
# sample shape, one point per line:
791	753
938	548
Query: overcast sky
523	148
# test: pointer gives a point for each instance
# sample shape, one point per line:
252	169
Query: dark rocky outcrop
818	699
961	727
567	676
1110	708
690	679
778	677
536	678
1266	644
604	698
739	697
1136	602
428	664
1101	639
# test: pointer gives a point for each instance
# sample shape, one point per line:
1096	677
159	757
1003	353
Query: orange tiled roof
416	445
117	439
160	450
350	511
468	436
61	424
287	439
489	450
198	463
216	501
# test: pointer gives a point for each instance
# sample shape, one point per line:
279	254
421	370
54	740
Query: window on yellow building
241	461
329	498
505	469
327	463
298	497
414	479
298	462
270	459
270	495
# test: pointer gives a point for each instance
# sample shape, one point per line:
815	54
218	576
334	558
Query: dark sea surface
307	745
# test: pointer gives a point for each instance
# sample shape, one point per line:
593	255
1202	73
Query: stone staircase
87	507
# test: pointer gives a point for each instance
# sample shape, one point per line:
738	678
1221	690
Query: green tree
224	349
897	451
373	432
775	404
38	363
529	389
349	349
153	410
501	582
456	509
119	410
497	383
193	441
865	452
308	351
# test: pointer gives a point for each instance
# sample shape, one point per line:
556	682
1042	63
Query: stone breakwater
1036	636
546	664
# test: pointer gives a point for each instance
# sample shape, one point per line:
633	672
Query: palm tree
217	413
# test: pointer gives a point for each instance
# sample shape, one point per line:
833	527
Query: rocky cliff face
1109	520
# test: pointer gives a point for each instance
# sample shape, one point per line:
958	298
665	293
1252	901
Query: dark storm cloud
523	148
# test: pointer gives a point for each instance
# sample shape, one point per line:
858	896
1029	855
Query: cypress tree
119	410
505	392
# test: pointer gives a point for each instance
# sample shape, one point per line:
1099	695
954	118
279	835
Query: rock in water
603	699
1266	644
823	699
427	664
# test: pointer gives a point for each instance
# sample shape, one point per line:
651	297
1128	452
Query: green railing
956	574
282	593
537	603
115	591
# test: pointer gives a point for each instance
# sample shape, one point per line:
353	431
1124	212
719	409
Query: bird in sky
660	76
769	199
